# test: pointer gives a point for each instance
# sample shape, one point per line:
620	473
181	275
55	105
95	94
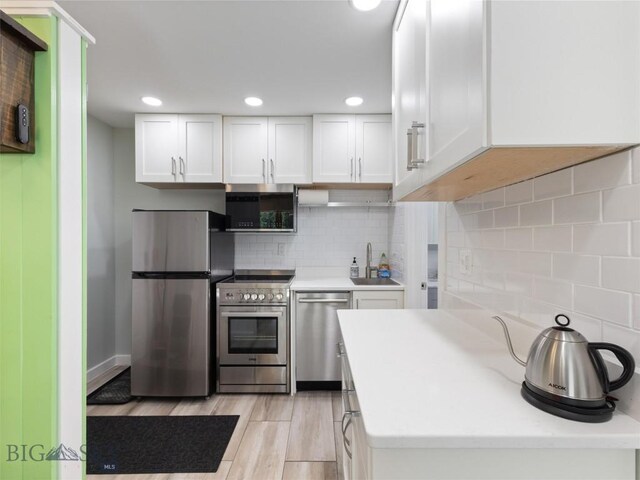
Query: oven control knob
279	296
261	296
270	296
246	296
254	296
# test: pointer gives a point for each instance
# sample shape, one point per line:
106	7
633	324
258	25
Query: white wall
101	338
130	195
567	242
326	236
412	226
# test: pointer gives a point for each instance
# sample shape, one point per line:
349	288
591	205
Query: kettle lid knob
562	320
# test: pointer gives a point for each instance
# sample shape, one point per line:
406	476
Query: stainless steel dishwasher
317	334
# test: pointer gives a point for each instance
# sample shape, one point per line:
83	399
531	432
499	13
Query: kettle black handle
625	358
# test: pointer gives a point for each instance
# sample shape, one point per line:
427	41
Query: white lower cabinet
378	299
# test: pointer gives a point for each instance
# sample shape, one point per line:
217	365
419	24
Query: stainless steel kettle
564	371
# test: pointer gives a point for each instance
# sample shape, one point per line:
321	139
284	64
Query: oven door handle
252	313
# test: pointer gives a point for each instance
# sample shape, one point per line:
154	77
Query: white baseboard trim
115	360
123	360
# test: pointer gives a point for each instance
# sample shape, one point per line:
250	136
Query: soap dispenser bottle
355	269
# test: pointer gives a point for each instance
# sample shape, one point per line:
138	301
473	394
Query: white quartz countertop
425	379
336	283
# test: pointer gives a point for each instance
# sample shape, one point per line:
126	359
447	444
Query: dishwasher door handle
323	300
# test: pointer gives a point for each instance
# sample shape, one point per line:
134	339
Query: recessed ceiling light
253	101
153	101
365	5
353	101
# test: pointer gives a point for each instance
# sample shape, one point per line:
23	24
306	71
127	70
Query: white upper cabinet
267	149
245	149
352	149
173	148
334	148
409	88
374	157
456	106
516	90
290	150
157	148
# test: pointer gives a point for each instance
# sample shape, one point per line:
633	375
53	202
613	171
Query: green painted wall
28	280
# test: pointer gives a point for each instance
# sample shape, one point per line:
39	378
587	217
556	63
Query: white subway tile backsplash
538	213
608	305
624	337
635	155
603	173
571	245
621	204
519	193
620	273
493	238
601	239
580	269
533	263
539	312
553	185
553	239
519	238
506	217
577	208
519	283
493	199
553	291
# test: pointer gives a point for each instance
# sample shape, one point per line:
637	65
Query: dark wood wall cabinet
17	61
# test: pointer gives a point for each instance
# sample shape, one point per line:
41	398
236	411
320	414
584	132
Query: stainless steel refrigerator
178	257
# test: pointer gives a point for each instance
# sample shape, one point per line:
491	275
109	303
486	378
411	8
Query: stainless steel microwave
261	208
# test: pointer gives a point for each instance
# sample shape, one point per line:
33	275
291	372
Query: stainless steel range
253	331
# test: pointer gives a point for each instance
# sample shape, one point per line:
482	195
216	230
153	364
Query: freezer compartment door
170	354
317	334
170	241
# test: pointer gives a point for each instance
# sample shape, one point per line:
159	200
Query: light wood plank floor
277	437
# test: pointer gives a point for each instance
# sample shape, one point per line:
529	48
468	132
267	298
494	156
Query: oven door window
257	335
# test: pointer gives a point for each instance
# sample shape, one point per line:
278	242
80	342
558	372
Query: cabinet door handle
273	169
412	146
344	427
183	166
173	166
360	164
264	171
351	168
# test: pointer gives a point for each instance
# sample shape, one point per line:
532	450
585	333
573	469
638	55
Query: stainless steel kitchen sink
374	281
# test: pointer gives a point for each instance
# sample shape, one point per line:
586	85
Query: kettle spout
509	344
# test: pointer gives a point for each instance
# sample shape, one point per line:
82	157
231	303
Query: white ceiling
300	57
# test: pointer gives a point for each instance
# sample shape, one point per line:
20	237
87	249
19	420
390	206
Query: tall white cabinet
352	149
515	90
267	150
172	148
